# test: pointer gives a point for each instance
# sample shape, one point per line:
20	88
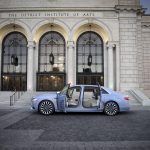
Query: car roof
82	85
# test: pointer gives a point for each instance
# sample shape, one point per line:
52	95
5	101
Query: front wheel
46	107
111	108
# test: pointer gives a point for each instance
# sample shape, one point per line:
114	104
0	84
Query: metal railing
15	96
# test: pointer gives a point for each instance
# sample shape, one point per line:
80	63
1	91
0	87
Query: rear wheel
111	108
46	107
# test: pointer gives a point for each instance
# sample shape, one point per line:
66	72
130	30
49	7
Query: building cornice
57	9
146	25
135	8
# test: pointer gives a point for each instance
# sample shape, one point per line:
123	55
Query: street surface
23	129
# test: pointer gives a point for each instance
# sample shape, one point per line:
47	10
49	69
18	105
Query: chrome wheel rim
111	108
46	108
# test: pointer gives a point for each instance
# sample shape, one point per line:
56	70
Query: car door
61	98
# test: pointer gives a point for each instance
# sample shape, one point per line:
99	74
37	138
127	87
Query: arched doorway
14	62
90	59
51	67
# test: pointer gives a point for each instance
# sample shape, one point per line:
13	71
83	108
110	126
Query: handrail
15	96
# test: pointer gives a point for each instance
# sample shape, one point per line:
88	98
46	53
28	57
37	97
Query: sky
146	4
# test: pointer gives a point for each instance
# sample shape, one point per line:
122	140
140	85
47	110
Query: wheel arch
114	102
46	100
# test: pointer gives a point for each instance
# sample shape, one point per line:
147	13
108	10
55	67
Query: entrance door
13	82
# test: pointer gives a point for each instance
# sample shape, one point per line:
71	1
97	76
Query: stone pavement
23	129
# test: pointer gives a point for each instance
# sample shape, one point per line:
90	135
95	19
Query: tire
111	108
46	107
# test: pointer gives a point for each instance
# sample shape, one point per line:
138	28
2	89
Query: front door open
62	97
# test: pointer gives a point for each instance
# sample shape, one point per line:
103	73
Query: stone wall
57	3
129	2
128	51
146	53
139	52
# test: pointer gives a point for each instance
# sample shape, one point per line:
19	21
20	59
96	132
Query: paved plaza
23	129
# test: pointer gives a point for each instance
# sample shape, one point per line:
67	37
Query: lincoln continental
81	98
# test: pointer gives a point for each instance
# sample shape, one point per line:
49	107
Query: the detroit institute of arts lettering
46	44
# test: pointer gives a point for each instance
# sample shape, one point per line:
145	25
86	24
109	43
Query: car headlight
34	99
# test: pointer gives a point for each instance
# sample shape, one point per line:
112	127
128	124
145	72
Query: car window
104	91
64	90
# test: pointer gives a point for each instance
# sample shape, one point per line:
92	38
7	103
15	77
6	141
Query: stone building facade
45	44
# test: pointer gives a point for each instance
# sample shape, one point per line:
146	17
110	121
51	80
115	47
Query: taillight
126	98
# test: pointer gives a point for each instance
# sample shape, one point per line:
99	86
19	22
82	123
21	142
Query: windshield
64	90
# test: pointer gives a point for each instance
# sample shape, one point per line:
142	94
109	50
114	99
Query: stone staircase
23	102
5	98
25	99
132	100
140	97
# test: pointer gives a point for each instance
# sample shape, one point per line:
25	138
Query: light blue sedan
81	98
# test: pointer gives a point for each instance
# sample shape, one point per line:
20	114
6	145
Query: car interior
73	97
91	97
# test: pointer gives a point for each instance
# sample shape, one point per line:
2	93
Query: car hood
50	95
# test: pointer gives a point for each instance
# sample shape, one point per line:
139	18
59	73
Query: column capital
31	44
110	44
70	44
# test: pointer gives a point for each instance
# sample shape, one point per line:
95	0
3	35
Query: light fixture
51	56
90	55
14	60
90	59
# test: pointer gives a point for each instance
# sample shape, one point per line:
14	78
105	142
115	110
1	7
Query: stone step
140	97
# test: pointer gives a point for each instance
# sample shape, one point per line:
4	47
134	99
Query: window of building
14	62
90	64
51	71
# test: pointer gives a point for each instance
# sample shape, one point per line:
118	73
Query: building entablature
145	22
130	8
28	4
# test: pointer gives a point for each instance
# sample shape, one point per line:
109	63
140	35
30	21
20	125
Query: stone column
1	53
117	67
30	70
110	66
70	60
